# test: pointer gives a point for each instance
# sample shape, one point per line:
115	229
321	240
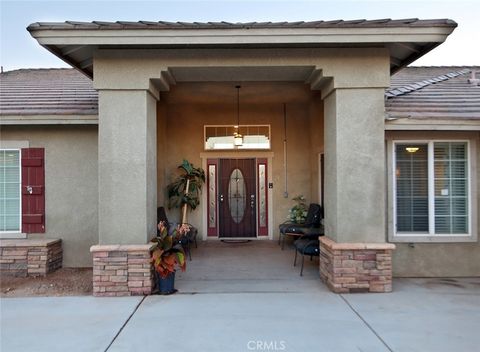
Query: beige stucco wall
438	259
127	162
261	103
71	190
354	165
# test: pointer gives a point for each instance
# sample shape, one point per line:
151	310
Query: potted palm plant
185	191
168	255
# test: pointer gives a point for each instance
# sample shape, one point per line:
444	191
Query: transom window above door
227	137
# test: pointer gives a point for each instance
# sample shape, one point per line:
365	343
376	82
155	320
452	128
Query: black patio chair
187	240
312	225
307	246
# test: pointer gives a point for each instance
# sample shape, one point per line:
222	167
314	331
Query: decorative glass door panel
237	198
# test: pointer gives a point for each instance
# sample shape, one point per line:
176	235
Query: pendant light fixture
237	137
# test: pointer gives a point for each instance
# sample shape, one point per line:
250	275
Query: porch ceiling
76	42
251	93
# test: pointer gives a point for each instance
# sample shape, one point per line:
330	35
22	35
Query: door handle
221	197
252	201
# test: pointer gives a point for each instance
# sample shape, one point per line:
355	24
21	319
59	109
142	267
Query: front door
237	190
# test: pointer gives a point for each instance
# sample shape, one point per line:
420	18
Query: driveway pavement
420	315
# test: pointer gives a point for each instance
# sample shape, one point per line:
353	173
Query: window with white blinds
412	188
431	188
451	187
10	197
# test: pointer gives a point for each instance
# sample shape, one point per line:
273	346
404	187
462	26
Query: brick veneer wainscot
356	267
122	270
30	257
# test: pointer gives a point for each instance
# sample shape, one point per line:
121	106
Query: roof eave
57	38
162	25
274	36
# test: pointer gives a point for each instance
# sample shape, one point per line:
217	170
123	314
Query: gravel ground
63	282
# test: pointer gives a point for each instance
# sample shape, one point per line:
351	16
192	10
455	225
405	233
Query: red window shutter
33	190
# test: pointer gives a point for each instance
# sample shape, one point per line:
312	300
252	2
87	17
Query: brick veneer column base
30	257
122	270
356	267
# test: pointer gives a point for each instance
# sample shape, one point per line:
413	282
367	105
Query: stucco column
127	166
355	165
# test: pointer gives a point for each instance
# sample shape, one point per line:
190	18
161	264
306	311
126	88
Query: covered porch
159	89
326	124
332	108
247	267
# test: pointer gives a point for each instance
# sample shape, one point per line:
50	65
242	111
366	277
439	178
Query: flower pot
166	286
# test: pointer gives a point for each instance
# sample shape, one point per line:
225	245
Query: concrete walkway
252	308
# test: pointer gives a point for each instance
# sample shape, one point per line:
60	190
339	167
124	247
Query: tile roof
433	92
387	22
47	92
415	92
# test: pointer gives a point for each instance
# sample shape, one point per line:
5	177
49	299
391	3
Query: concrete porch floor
255	266
248	297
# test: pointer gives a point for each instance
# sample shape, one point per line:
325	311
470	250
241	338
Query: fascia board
241	37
